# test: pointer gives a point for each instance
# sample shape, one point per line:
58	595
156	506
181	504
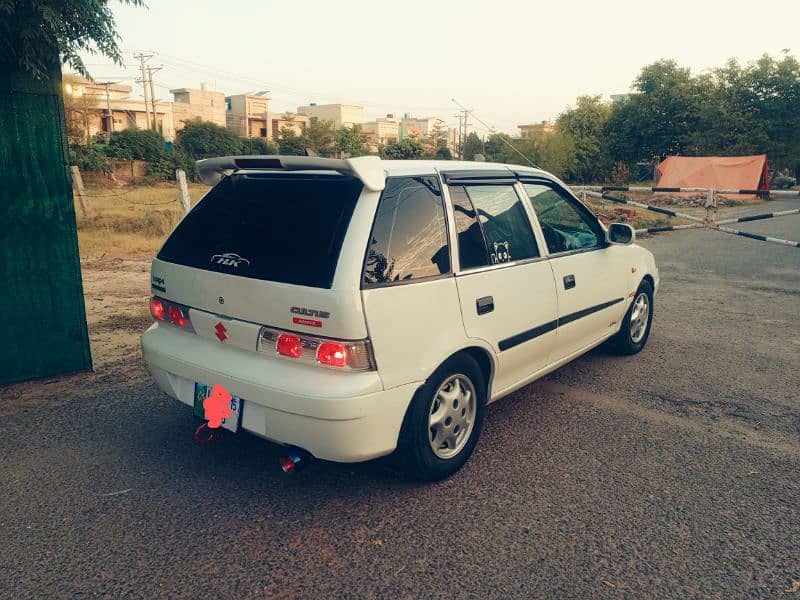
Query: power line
493	130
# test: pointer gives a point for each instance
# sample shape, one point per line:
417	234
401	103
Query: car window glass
409	239
505	225
565	226
472	250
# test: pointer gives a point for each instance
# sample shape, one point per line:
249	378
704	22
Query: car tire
438	435
635	330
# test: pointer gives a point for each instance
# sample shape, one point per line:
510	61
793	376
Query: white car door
505	286
591	276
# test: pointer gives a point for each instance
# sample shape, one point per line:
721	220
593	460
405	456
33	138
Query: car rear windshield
278	227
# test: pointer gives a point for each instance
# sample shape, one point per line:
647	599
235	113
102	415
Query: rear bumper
345	417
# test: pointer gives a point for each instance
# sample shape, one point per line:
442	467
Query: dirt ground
116	292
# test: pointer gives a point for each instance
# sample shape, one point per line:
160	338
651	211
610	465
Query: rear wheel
635	328
443	422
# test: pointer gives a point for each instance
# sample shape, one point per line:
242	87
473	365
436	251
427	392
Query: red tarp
718	172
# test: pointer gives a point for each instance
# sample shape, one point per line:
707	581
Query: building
190	104
248	114
292	121
341	115
96	110
381	132
422	127
535	129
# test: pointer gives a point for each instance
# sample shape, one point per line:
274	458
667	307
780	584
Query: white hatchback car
357	308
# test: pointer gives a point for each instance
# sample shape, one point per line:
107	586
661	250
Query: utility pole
143	56
110	115
150	71
458	139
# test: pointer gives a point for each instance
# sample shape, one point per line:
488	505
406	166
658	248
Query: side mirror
620	233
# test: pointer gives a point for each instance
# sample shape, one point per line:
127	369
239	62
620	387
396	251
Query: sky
511	62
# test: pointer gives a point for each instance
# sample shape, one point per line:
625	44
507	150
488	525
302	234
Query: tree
291	144
351	141
203	139
403	149
33	34
443	153
320	136
438	135
585	126
659	118
472	146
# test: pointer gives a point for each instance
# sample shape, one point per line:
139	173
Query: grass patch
130	222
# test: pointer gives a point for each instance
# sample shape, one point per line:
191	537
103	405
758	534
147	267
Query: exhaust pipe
294	460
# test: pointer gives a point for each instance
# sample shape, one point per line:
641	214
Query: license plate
202	391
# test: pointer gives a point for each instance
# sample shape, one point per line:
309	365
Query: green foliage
351	141
202	139
443	153
320	136
291	144
33	34
403	149
257	146
136	144
733	110
584	126
472	146
88	159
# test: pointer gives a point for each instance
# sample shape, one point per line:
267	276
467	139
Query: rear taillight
157	309
333	354
178	317
289	345
169	312
341	355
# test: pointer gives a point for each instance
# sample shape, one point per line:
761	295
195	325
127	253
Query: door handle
484	305
569	282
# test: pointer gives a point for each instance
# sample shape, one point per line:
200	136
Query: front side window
409	237
492	225
566	226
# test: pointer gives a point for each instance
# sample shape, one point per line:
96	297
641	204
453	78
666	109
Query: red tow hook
205	434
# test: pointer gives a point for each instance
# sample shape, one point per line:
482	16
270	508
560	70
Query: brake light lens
344	355
177	316
169	312
333	354
289	345
157	309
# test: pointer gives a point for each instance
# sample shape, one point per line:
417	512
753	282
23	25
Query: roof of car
371	170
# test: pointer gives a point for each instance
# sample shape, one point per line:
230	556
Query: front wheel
443	422
635	328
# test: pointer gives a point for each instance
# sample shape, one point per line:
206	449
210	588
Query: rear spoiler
367	169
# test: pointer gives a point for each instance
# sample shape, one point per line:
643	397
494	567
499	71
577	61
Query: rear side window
492	225
409	237
280	227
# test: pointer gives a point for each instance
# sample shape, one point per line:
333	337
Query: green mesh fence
42	314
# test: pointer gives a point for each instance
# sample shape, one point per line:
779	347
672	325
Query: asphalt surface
673	473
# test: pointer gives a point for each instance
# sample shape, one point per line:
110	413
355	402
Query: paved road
671	474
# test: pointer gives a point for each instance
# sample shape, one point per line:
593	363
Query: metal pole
141	56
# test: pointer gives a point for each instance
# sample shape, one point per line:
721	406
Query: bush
404	149
783	181
136	144
257	146
443	153
164	167
88	159
202	139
